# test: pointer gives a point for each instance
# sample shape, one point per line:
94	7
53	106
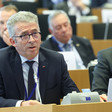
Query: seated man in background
101	3
74	7
61	29
30	74
1	4
102	72
5	13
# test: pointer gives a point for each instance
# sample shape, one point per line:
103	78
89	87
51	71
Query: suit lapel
79	48
76	44
54	44
19	75
43	70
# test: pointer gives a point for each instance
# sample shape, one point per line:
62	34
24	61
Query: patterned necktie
31	81
66	47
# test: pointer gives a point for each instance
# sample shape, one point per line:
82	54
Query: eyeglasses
26	37
2	22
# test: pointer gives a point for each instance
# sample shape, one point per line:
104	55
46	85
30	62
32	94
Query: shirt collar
23	59
62	44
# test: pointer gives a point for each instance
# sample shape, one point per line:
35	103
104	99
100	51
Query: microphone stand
106	29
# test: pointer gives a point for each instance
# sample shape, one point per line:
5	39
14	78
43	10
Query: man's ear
50	30
12	41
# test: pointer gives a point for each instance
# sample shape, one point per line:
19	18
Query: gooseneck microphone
109	19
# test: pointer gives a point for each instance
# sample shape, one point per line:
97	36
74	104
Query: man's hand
30	103
103	98
80	4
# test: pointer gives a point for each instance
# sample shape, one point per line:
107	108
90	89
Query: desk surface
87	107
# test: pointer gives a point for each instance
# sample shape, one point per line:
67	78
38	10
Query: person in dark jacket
50	80
61	30
5	13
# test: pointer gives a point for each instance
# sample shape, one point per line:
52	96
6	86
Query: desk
87	107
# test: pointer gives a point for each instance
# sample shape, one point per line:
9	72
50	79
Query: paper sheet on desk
70	60
106	15
109	98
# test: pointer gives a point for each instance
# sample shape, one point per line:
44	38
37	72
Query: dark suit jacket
102	71
2	43
97	3
64	6
53	77
82	45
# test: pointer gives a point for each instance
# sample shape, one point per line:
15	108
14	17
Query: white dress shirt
25	68
79	62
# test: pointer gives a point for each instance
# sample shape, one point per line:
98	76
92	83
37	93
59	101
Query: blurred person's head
5	13
23	28
60	26
74	1
1	4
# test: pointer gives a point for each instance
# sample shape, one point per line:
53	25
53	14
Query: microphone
37	82
107	28
35	78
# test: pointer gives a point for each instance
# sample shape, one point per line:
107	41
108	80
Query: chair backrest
99	31
100	45
81	78
85	30
97	12
43	26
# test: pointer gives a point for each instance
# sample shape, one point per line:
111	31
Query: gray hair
21	16
9	8
54	14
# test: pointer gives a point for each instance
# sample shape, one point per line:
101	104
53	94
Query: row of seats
89	30
94	30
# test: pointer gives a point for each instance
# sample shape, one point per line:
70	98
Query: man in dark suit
48	3
5	13
102	72
98	3
60	28
51	78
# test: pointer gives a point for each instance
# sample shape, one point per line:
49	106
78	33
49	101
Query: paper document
109	98
106	15
70	60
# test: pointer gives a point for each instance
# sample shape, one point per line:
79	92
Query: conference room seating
85	30
81	78
100	45
94	31
102	31
97	12
102	13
